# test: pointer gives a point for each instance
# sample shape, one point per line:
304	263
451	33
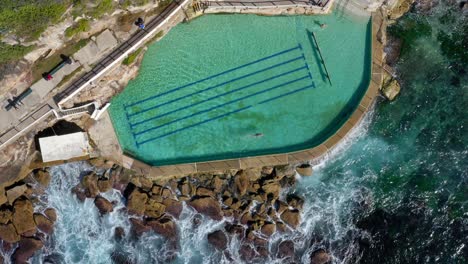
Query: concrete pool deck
285	158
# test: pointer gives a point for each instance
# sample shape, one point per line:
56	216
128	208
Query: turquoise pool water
228	86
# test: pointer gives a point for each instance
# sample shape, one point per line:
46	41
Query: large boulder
103	205
5	215
164	226
104	185
154	209
138	227
286	249
304	170
319	256
241	182
218	239
185	188
291	217
202	191
8	233
295	201
51	214
119	233
268	229
26	249
42	177
207	206
89	183
284	170
136	203
15	192
218	184
391	89
247	252
23	216
272	187
173	207
43	223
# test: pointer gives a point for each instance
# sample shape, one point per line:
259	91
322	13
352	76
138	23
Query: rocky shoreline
253	204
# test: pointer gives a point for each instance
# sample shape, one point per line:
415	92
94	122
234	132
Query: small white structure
64	147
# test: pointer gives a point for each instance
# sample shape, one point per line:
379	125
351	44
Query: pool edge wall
316	152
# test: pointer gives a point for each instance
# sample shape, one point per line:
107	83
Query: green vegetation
46	64
81	26
131	57
29	18
9	53
104	6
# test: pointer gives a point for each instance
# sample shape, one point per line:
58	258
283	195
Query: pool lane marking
223	115
132	125
216	75
217	85
220	105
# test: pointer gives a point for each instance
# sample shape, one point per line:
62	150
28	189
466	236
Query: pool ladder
200	6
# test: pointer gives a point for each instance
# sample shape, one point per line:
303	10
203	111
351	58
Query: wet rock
42	177
3	198
218	239
295	201
146	184
136	203
23	216
89	183
138	227
185	188
15	192
79	192
286	249
281	227
218	184
207	206
268	229
273	188
263	252
103	205
26	249
167	193
280	206
119	233
319	257
43	223
98	162
202	191
173	207
154	209
246	218
391	89
104	185
5	215
234	229
164	226
291	217
267	170
8	233
304	170
247	252
51	214
241	182
282	171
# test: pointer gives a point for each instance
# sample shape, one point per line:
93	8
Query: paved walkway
35	108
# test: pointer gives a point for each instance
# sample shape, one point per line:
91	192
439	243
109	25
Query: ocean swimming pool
230	86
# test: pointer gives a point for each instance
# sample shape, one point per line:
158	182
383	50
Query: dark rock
119	233
286	249
103	205
295	201
167	193
138	227
218	239
247	252
43	223
164	226
51	214
268	229
319	257
291	217
202	191
26	249
241	182
263	252
23	216
79	192
104	185
5	215
234	229
89	183
173	207
42	177
218	184
154	209
273	188
207	206
8	233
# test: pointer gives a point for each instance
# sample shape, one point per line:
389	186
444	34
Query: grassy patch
81	26
10	53
29	18
131	57
46	64
104	6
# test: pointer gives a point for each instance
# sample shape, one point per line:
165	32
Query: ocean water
209	86
395	191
